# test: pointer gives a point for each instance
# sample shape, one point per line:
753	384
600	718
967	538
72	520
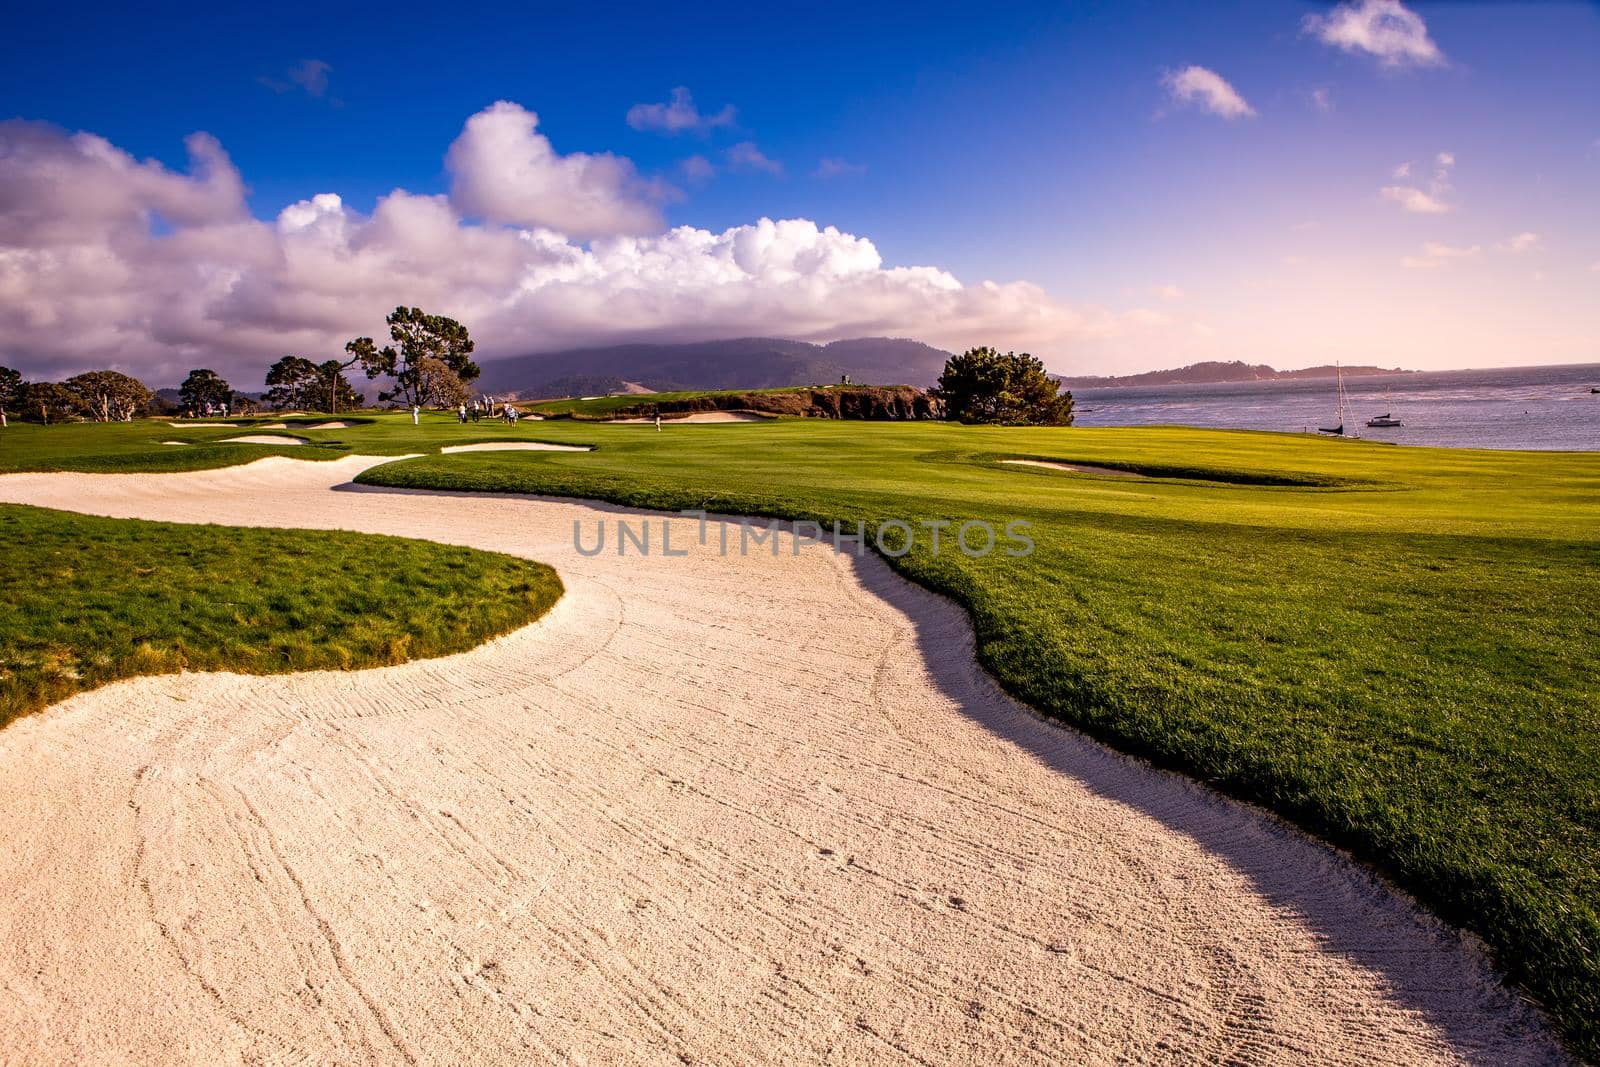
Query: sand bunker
515	446
273	426
263	439
676	820
1076	468
335	424
175	442
704	416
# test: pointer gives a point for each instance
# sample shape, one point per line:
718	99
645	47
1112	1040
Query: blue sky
1039	144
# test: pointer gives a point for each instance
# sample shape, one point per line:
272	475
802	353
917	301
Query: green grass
1393	647
92	600
141	446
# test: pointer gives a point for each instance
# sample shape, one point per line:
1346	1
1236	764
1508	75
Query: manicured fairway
146	445
91	600
1393	647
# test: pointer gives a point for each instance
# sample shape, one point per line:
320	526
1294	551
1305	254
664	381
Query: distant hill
746	363
1214	371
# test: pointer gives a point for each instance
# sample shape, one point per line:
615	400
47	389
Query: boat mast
1338	371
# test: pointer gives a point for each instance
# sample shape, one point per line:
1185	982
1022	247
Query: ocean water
1514	407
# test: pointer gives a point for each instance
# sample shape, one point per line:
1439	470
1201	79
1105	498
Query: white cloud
1386	29
503	170
1526	241
834	167
1431	201
1413	199
746	157
310	75
697	170
1444	251
1435	254
1170	292
1208	90
678	115
109	262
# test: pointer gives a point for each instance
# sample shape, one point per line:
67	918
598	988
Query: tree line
426	364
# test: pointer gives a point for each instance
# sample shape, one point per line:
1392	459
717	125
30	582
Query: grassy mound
1205	474
92	600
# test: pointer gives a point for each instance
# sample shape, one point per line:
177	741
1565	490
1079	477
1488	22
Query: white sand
515	446
175	442
718	810
334	424
1076	468
703	416
273	426
263	439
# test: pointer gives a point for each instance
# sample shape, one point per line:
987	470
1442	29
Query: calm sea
1516	407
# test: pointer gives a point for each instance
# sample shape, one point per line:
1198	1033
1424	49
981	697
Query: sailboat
1339	429
1387	418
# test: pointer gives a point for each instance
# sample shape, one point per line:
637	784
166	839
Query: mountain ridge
738	363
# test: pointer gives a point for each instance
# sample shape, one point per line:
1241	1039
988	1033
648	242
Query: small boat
1387	418
1592	390
1337	431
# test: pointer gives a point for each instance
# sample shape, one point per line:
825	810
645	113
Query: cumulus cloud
1414	199
1207	90
678	115
834	167
503	170
1433	200
107	261
1526	241
697	170
1435	254
309	75
1387	29
746	157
